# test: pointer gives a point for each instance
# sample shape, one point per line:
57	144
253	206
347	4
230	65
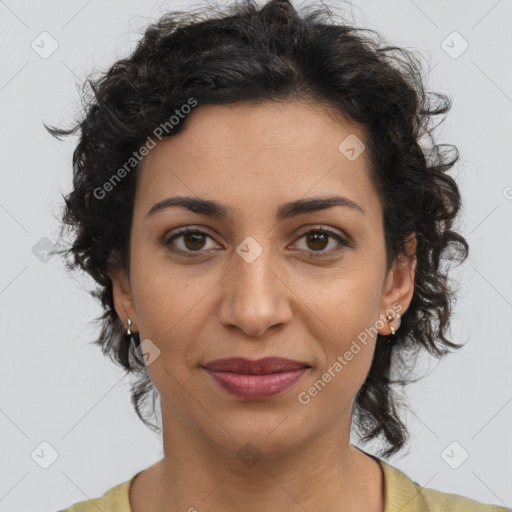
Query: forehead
299	124
254	154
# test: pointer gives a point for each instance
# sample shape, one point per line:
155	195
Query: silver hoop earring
393	329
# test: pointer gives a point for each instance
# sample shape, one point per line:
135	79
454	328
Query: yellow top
401	495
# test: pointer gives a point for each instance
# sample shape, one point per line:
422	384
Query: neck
324	473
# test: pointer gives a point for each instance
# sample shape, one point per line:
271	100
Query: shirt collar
401	494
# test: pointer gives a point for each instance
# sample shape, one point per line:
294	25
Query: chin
268	434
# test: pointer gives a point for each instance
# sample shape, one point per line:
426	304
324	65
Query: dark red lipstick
258	379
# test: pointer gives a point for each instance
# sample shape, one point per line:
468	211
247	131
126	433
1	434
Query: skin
287	302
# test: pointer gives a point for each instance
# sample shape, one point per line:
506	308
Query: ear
123	298
398	287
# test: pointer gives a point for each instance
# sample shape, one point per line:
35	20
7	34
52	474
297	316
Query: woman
259	197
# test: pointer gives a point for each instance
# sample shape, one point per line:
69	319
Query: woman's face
255	284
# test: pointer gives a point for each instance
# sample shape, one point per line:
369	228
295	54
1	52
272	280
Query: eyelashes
199	237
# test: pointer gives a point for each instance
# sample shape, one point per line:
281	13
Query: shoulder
438	501
402	494
114	500
85	506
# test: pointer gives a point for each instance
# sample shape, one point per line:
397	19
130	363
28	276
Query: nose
255	297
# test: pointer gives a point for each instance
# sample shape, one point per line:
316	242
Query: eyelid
173	234
344	241
322	227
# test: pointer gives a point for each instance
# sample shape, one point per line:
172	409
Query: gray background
57	388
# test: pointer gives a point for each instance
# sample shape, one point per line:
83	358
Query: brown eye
318	239
191	241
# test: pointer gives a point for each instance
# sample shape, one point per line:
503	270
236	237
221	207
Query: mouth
263	366
256	380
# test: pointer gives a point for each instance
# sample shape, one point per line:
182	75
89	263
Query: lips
256	380
259	367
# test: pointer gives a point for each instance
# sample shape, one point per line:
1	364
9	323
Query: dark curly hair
247	53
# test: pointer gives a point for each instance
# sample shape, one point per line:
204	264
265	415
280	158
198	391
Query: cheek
345	320
347	352
347	302
166	306
158	288
171	302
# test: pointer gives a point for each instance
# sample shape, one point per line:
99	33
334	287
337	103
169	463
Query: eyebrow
286	211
